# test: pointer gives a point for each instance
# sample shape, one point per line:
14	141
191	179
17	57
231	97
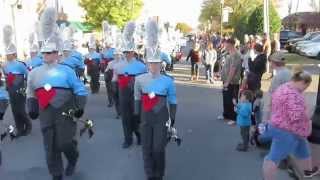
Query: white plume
128	31
7	35
48	23
152	39
32	37
152	34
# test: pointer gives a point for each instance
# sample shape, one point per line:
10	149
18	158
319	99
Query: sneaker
231	123
310	174
220	117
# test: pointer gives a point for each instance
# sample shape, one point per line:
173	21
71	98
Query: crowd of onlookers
286	124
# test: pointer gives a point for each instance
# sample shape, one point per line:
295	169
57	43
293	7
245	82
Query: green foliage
247	16
117	12
183	27
255	23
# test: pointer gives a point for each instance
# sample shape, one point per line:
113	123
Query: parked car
286	35
311	50
301	44
288	46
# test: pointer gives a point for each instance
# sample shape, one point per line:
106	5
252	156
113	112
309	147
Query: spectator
209	57
194	55
289	127
230	76
282	74
244	111
275	44
257	68
266	45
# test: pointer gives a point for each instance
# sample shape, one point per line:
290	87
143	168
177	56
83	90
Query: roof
311	19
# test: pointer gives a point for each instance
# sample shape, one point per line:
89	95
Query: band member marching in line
92	60
152	92
77	60
126	78
15	74
4	102
53	89
35	58
107	57
70	60
112	66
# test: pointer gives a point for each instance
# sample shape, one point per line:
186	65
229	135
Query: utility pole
266	26
221	19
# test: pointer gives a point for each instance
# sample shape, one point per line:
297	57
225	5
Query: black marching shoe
138	138
126	145
72	166
57	178
242	148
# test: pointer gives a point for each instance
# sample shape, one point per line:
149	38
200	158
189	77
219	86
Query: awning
80	26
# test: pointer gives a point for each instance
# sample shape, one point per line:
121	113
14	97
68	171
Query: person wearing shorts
289	127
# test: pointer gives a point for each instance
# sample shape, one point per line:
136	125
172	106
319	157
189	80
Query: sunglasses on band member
50	52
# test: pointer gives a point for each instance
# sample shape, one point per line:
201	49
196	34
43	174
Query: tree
255	22
116	12
183	27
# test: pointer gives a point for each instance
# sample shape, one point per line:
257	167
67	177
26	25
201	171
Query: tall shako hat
50	32
152	42
9	47
128	37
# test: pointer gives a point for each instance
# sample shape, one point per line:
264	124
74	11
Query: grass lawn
297	59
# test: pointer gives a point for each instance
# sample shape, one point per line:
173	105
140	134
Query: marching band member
126	78
15	74
53	89
152	92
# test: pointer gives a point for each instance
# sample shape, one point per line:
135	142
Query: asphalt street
207	152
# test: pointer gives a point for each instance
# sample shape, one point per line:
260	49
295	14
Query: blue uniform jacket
109	53
79	57
134	68
163	86
15	67
34	62
165	57
94	56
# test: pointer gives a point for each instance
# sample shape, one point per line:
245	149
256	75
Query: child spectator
244	111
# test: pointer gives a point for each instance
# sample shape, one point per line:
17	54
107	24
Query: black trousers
94	74
58	139
107	80
115	96
130	122
154	141
228	94
18	104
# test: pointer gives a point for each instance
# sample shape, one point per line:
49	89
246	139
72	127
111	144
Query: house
302	21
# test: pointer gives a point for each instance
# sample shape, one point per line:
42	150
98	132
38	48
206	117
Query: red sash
45	97
149	103
10	79
124	80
